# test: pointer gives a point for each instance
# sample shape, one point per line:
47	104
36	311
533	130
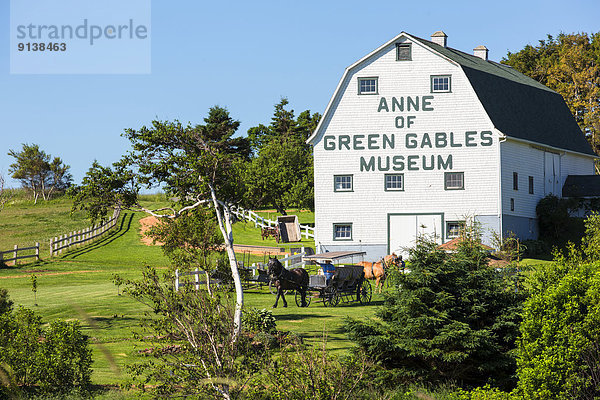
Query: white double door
552	174
404	229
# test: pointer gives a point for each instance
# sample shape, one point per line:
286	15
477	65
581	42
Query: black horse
295	279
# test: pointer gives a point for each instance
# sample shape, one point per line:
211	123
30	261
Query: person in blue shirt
328	270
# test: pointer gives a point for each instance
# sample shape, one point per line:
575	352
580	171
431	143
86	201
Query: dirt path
145	224
42	273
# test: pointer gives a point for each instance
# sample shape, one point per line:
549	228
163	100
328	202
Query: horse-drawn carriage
347	283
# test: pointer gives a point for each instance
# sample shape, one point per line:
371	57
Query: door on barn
404	229
552	174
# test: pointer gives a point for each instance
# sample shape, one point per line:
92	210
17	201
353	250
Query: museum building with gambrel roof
418	137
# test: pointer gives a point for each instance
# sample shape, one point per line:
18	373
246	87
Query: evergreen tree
453	318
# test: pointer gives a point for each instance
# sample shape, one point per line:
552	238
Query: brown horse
376	270
295	279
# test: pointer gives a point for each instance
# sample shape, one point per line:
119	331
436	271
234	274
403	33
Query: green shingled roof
519	106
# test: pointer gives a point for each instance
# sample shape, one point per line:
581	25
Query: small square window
440	84
342	231
367	85
515	181
342	183
453	228
454	180
403	52
394	182
531	185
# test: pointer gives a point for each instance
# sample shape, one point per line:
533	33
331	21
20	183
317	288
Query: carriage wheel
331	296
365	292
299	298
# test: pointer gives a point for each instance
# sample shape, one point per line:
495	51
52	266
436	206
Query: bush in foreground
52	359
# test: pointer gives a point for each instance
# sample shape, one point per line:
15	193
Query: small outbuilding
289	228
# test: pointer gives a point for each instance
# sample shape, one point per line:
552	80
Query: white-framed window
454	180
453	228
367	85
342	183
403	52
342	231
531	185
441	83
394	182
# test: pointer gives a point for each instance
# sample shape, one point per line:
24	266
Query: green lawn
78	285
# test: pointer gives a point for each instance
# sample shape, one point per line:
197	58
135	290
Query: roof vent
481	52
439	38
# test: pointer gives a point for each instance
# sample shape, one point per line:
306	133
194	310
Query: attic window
367	85
403	52
440	84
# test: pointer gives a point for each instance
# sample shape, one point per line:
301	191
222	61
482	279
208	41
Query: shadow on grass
296	317
109	322
124	227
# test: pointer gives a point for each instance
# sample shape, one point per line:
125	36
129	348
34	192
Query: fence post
51	248
198	279
37	251
177	280
303	252
15	253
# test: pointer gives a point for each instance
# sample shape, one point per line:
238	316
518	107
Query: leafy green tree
454	319
559	346
570	65
281	173
105	188
196	165
281	176
38	172
192	346
189	240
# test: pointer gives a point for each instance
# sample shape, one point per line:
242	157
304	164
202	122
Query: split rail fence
15	254
306	231
78	238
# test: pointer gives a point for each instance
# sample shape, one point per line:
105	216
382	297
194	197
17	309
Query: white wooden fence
289	262
15	252
77	238
306	231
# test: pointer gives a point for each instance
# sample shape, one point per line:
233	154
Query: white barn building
419	136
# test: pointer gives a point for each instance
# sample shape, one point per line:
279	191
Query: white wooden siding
368	205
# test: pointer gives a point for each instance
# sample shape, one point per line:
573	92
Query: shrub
6	304
53	359
255	320
309	373
62	360
560	335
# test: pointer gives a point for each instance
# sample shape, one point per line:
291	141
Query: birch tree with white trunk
194	164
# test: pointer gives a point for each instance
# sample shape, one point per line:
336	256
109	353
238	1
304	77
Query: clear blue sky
246	55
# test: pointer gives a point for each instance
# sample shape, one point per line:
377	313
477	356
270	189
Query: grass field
78	285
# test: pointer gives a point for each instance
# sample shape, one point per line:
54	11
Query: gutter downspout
501	140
